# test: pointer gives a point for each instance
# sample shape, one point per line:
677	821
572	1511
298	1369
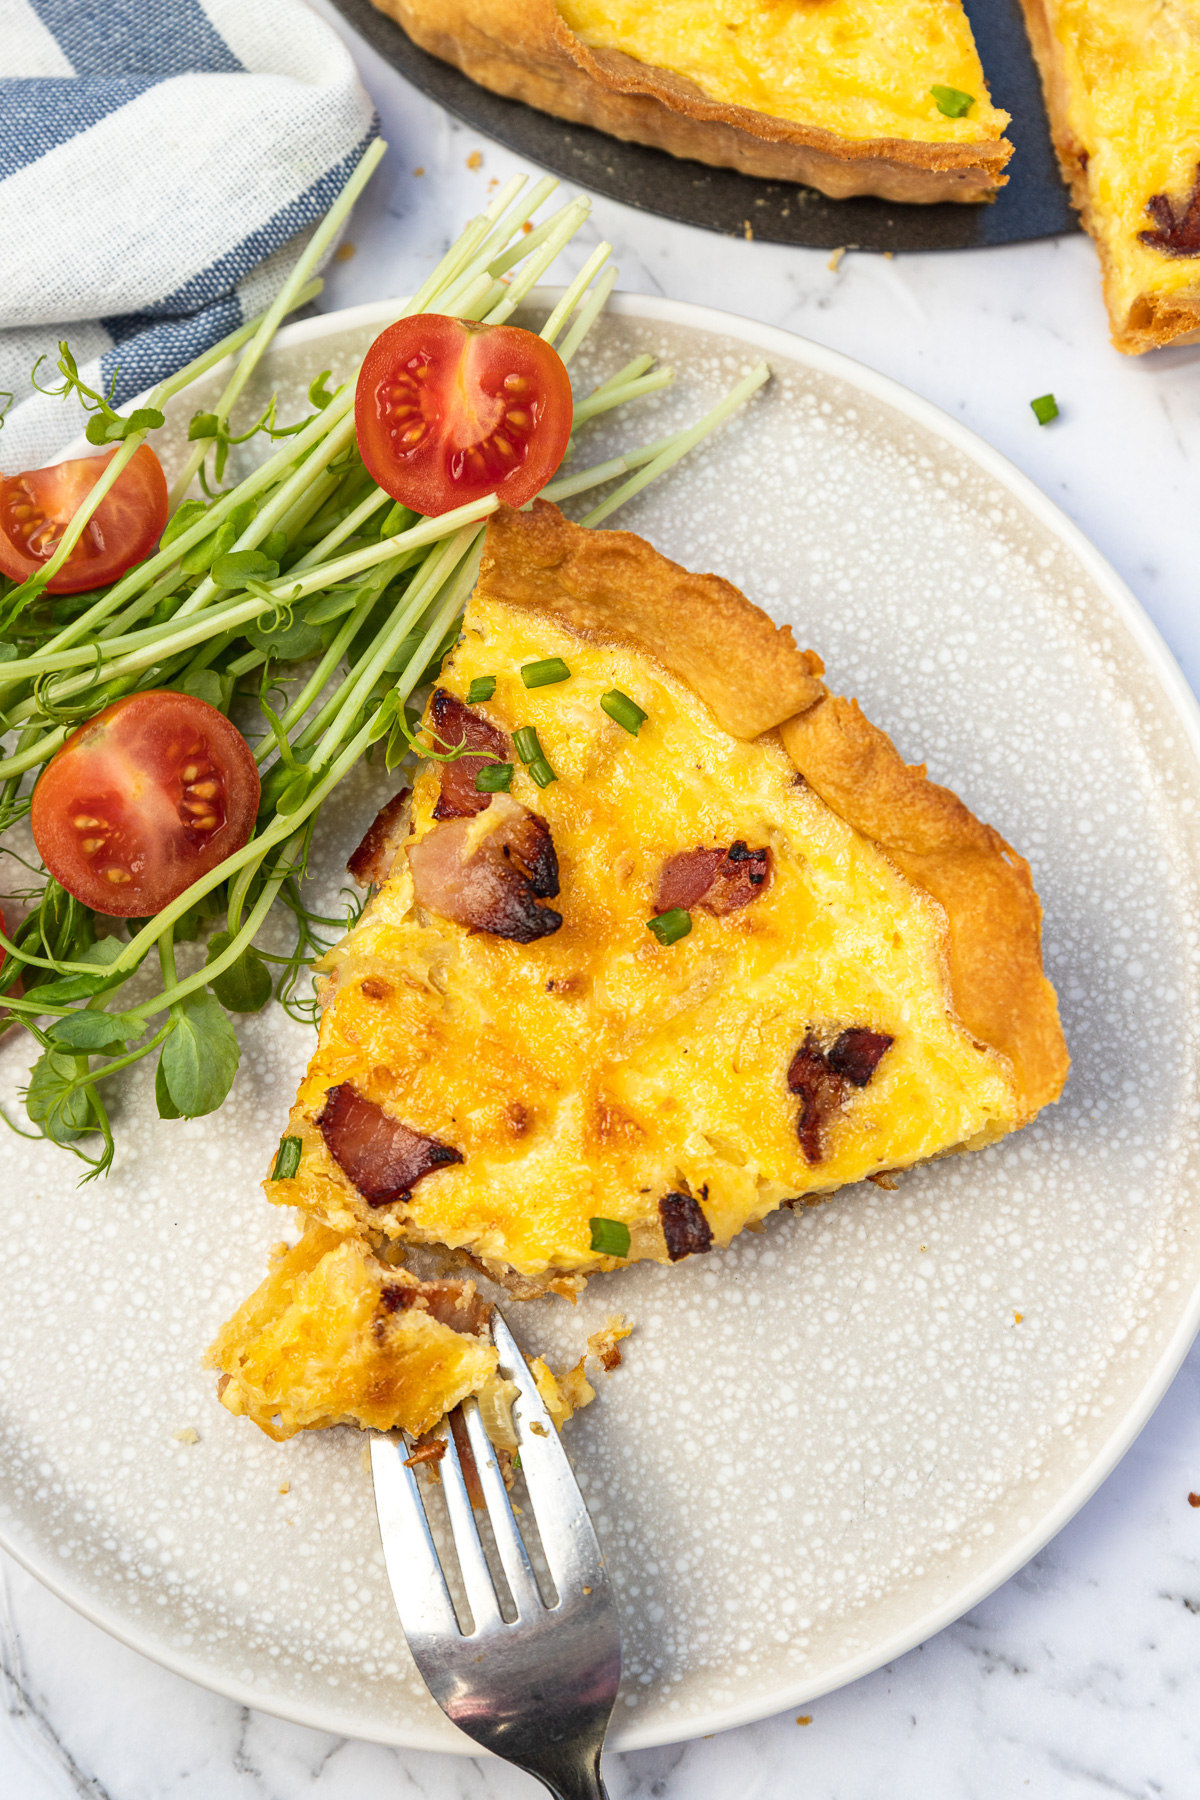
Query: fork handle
577	1781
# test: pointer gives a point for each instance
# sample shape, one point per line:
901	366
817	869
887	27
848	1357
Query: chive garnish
546	673
541	772
625	711
482	688
1045	408
526	740
610	1237
494	778
288	1159
670	926
952	101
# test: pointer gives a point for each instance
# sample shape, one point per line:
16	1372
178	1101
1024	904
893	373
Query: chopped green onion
1045	408
610	1237
526	740
625	711
952	101
494	778
288	1159
482	688
545	674
541	772
670	926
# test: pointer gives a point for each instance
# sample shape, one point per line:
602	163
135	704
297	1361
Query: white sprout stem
630	372
685	441
280	503
357	689
348	526
145	647
226	346
283	303
602	402
588	313
574	293
535	266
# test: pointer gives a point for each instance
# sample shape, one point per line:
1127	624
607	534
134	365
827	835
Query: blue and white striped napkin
162	164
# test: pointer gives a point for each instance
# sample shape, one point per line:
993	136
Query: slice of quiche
669	938
879	97
337	1336
1122	86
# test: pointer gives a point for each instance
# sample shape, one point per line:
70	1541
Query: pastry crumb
749	230
1194	1499
286	1488
604	1343
475	160
345	252
836	258
804	1719
419	171
1017	1317
187	1434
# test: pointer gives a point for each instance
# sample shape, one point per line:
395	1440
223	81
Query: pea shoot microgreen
303	599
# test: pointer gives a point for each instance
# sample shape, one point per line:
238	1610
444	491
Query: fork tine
515	1559
418	1585
477	1577
572	1551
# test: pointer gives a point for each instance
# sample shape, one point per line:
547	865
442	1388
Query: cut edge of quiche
512	1065
1122	88
526	50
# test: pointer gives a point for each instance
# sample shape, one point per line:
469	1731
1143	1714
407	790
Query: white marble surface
1082	1676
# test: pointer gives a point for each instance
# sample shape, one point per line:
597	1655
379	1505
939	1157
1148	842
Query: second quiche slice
1122	85
839	94
676	939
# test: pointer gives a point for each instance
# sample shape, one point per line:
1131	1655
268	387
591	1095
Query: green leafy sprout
302	595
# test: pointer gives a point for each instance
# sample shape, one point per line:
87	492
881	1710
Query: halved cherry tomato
447	411
144	799
37	507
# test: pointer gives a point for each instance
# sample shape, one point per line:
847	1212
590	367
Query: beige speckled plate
830	1441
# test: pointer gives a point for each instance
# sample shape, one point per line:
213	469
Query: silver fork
538	1689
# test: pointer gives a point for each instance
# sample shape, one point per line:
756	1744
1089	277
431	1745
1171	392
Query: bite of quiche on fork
670	937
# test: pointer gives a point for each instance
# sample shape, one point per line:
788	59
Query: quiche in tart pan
668	938
834	93
1122	86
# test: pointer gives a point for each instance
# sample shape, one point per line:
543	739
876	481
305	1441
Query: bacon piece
719	880
489	874
382	1157
1177	228
453	1303
455	724
370	863
821	1093
821	1077
428	1450
684	1226
857	1054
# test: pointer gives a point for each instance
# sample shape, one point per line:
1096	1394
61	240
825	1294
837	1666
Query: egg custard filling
852	66
665	938
1122	84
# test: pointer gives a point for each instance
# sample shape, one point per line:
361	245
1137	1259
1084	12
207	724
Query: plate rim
934	1619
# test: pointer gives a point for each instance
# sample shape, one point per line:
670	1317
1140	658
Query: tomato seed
89	846
205	790
205	824
117	876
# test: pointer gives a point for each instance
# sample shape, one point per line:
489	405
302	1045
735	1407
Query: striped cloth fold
162	165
